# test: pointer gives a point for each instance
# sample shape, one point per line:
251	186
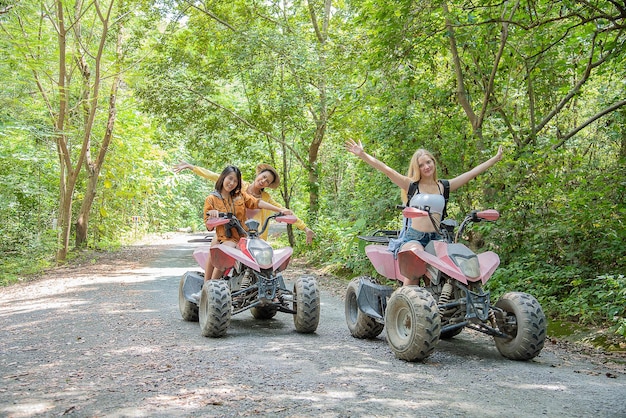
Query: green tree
251	71
74	51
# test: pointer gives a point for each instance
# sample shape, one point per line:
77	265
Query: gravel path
105	339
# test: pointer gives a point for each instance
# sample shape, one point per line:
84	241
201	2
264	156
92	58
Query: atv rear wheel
525	322
306	303
359	324
413	323
215	308
188	310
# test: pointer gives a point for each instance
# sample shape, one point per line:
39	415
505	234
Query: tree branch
585	76
586	123
504	35
249	124
461	92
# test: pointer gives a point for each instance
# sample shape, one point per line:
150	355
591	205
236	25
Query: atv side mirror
488	215
288	219
410	212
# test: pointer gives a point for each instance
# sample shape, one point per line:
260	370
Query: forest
102	98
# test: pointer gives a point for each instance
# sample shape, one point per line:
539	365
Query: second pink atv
451	299
252	280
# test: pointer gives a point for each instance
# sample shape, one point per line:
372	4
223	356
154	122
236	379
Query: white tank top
433	202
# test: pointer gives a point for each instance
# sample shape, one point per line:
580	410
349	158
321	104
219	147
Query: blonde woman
428	191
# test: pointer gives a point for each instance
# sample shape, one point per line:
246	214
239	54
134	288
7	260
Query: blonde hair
414	168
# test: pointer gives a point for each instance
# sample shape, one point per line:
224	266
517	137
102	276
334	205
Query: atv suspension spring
446	293
492	319
247	280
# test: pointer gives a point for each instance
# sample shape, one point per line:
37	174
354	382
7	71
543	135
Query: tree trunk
93	169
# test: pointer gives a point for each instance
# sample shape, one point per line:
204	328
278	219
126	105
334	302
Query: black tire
412	322
188	310
265	312
526	322
359	324
306	303
215	308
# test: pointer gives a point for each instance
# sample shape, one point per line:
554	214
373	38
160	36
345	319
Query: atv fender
488	262
410	265
281	258
383	261
201	255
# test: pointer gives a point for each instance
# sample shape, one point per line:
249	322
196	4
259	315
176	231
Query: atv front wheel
215	308
525	322
413	323
188	310
306	303
359	324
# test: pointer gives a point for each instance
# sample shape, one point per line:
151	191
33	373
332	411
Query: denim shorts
413	235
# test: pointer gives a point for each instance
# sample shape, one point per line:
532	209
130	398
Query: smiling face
264	179
423	165
426	166
230	182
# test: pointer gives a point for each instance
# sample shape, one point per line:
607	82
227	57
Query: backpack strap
413	187
446	196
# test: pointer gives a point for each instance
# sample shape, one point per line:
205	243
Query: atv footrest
193	284
372	298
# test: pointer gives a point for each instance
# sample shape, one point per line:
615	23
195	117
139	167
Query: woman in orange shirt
228	197
266	177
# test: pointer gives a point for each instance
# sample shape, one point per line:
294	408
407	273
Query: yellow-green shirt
262	214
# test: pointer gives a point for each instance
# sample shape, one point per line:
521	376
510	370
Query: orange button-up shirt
236	205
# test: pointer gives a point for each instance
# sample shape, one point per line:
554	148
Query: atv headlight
262	253
469	265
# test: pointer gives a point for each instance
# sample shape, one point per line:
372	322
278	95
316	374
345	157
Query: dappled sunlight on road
108	340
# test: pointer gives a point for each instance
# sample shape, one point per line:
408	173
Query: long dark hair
219	184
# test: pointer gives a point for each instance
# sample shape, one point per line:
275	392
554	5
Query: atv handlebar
486	215
229	218
288	219
447	230
410	212
222	219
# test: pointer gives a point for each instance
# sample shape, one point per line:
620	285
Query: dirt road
105	339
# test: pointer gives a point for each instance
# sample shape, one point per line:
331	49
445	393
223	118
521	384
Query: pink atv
252	281
451	299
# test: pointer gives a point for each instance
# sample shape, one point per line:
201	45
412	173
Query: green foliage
257	85
567	293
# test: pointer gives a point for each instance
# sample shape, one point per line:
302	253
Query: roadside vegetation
102	99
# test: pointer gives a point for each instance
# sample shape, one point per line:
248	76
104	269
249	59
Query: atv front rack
381	236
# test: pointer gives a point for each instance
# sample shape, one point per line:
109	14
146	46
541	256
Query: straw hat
266	167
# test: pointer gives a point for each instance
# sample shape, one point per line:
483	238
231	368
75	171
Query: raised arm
464	178
398	179
199	171
264	205
299	223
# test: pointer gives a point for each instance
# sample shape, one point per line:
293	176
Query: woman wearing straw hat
266	177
